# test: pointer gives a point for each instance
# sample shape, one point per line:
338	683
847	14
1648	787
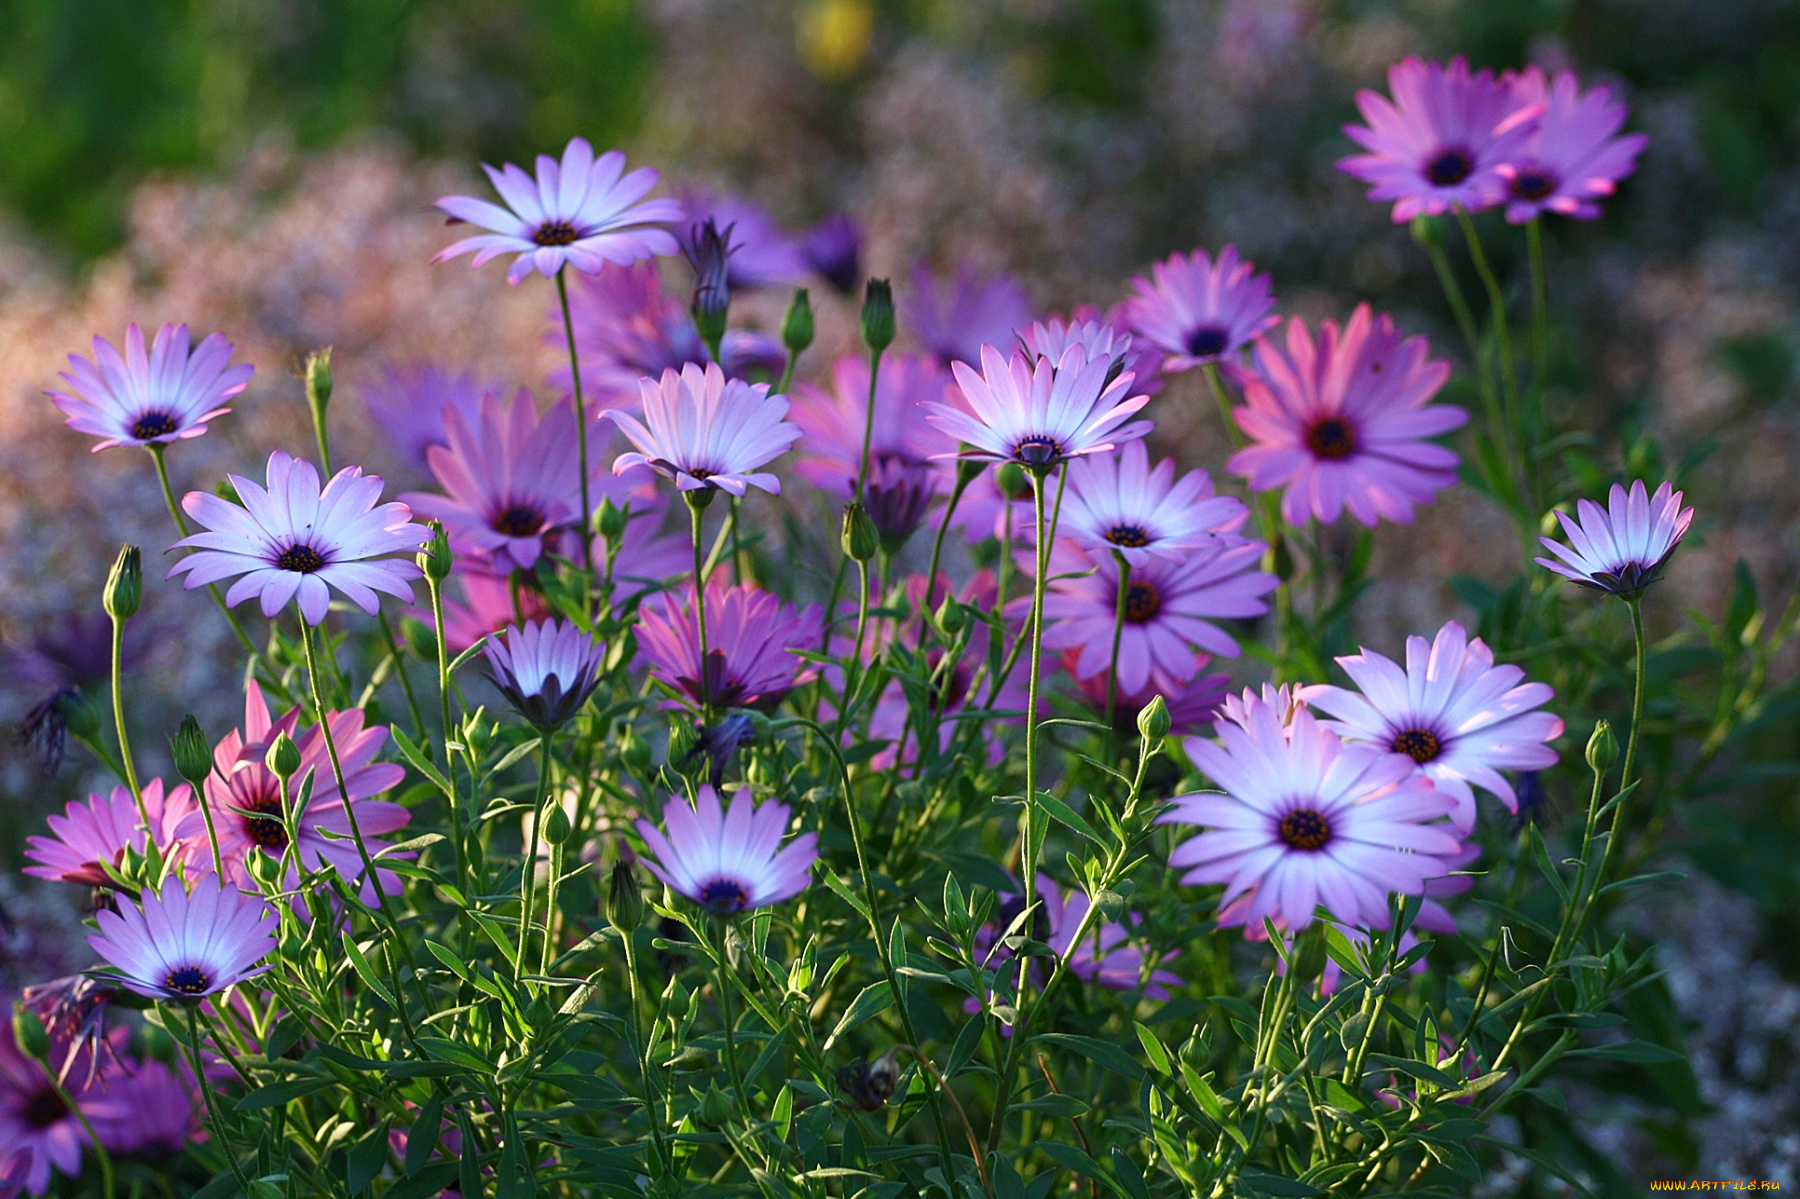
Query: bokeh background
260	167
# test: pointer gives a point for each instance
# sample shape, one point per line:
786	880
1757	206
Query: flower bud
125	585
318	380
80	716
477	733
710	248
1153	721
556	826
435	559
859	538
797	325
609	520
968	470
624	902
29	1033
193	756
1010	479
283	756
950	616
715	1108
1308	954
1602	748
878	316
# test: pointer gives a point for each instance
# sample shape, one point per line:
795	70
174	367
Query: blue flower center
301	558
1421	745
188	980
1038	450
153	424
1208	341
1533	185
1142	602
1305	829
519	520
1449	167
1130	536
1331	439
556	233
724	897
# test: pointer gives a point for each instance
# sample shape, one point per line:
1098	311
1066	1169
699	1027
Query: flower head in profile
762	255
88	837
1575	157
1441	141
409	405
1040	413
512	480
1192	702
705	431
750	639
1622	548
181	946
732	860
1342	422
956	318
1307	820
1105	335
73	1010
1117	503
154	398
1196	309
581	212
1451	710
546	669
291	540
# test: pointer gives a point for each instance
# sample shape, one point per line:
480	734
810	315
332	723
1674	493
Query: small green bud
125	584
193	755
225	491
283	756
878	316
797	326
29	1033
609	520
624	902
634	751
556	826
682	740
715	1108
1011	480
1602	748
80	716
318	379
1153	721
859	538
969	469
477	733
435	559
950	616
1424	231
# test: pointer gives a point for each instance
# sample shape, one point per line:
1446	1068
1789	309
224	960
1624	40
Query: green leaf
281	1094
845	893
1131	1178
1071	1158
455	1053
1260	1183
1066	1107
417	759
1644	1052
1159	1057
1067	816
875	998
355	954
426	1183
963	1051
1416	1069
1102	1053
426	1131
366	1159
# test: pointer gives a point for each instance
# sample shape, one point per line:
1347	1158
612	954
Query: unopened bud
1010	478
125	584
950	616
1153	721
80	716
193	756
556	826
1424	231
1309	953
318	379
283	756
624	902
859	538
878	315
29	1033
797	326
715	1108
708	253
609	520
1602	748
477	733
435	559
968	470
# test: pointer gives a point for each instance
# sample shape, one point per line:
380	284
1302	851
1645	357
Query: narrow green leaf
1102	1053
355	954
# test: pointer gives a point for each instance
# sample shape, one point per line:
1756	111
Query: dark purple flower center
556	233
1447	168
1038	450
301	558
1305	829
1331	438
724	897
1208	341
262	821
44	1107
1535	184
153	424
1130	536
1142	603
188	980
1421	745
519	520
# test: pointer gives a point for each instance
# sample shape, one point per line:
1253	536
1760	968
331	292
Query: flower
409	405
150	1110
1120	504
1197	310
706	432
1037	413
1573	158
245	796
89	837
513	480
1105	954
1284	699
1451	710
73	1011
546	669
1622	551
761	254
579	212
34	1119
1192	701
150	399
1307	819
1100	335
750	636
833	249
292	540
181	946
1441	141
943	692
1342	422
59	664
956	321
1169	608
727	861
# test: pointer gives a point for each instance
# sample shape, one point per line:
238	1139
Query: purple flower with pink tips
154	398
751	636
180	946
1620	549
729	861
89	837
705	431
1039	413
1573	158
1197	310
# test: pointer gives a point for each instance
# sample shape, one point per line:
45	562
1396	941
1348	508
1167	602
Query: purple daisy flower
1342	422
1283	699
1441	141
512	481
578	212
1170	607
750	639
1105	334
183	947
546	669
1622	551
1192	702
409	403
705	431
88	837
956	320
165	395
1197	310
290	539
761	254
1119	503
1038	413
35	1122
833	249
1451	710
1308	820
729	861
1574	157
152	1110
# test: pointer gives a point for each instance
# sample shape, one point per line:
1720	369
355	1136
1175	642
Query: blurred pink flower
1573	158
1197	310
750	636
408	404
955	319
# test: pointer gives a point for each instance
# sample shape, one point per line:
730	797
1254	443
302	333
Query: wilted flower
408	405
1038	413
1120	504
1197	310
59	663
90	836
729	861
761	254
871	1084
173	945
1573	157
150	399
706	432
750	637
546	669
73	1011
955	320
718	741
1624	550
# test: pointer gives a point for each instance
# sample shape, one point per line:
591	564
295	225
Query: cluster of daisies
1331	799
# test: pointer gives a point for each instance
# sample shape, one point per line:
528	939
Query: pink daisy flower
1342	422
408	405
293	540
729	861
1441	141
152	1110
1574	158
1037	413
165	395
578	212
706	432
1308	821
1192	702
1195	310
90	836
1105	954
1624	550
173	945
750	639
956	319
1119	503
1283	699
1451	710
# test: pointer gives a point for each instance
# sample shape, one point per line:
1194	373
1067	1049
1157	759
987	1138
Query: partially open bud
1602	748
878	315
29	1033
870	1084
968	470
80	716
435	559
125	584
797	326
859	538
283	756
318	380
1153	721
710	247
193	756
624	902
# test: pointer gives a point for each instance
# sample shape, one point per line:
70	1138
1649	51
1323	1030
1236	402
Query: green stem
528	869
581	431
1626	776
1028	831
68	1101
862	471
641	1050
695	508
725	984
1112	669
1465	321
181	525
1509	367
937	553
206	1093
1540	306
118	707
435	587
738	572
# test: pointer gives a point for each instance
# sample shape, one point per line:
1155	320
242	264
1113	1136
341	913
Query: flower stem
1509	367
435	587
726	981
1465	321
641	1050
162	476
937	553
1540	305
695	509
862	471
581	431
118	707
528	868
1028	830
1112	669
206	1094
1626	776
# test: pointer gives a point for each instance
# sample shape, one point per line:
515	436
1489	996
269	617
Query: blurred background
260	167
